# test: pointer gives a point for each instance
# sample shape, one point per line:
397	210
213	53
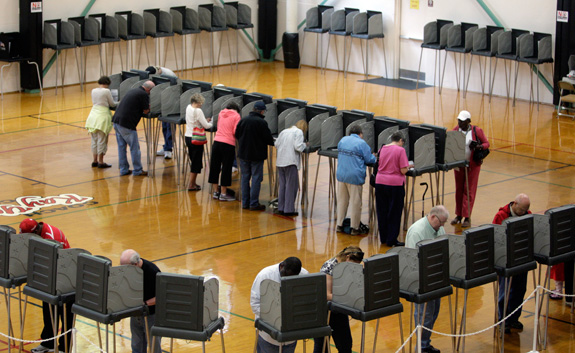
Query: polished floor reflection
45	151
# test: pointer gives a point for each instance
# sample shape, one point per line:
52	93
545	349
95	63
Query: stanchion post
74	341
536	321
419	329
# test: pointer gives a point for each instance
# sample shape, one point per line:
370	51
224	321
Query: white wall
532	15
62	9
403	28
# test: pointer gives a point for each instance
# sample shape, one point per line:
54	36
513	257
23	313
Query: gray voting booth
421	142
294	309
471	264
108	294
554	243
368	292
423	272
52	276
13	268
513	255
187	308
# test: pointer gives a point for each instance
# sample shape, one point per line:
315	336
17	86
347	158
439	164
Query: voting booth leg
463	328
22	323
99	334
505	301
418	69
222	339
63	330
154	343
256	341
10	329
54	316
315	184
150	348
114	337
540	307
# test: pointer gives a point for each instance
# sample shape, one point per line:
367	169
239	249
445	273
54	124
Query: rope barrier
407	340
35	341
531	295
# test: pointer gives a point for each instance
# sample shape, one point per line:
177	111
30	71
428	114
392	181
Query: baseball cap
260	106
28	225
464	115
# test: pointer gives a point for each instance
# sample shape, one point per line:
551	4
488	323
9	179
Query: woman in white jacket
195	118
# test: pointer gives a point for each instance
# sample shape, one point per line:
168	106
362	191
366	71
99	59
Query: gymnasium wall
403	28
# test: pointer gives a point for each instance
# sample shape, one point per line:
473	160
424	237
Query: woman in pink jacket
224	152
475	140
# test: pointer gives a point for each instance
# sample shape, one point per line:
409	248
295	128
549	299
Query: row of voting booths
433	150
297	308
186	306
101	29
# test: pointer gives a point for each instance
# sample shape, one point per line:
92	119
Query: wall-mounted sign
562	16
28	204
414	4
36	6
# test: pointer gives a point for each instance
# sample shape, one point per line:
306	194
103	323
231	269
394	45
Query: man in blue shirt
353	155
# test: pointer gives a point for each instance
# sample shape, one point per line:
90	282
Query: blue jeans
139	341
516	295
266	347
126	137
431	313
254	171
167	132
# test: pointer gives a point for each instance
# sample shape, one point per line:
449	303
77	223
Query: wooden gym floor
45	151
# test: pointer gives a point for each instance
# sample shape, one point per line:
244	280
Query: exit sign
36	6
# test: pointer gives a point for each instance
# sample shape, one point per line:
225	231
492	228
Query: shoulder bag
198	135
479	155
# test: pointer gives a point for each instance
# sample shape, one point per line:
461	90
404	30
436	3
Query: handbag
199	136
479	155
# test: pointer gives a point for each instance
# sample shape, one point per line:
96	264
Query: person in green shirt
429	227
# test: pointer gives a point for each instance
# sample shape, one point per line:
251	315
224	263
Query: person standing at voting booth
135	103
196	125
339	323
224	152
49	232
137	324
428	227
288	267
475	143
353	156
289	144
518	287
99	122
390	189
254	137
168	147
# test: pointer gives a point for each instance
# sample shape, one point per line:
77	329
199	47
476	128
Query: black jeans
341	334
389	205
48	331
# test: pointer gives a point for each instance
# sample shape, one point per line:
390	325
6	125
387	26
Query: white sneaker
168	155
160	152
41	349
234	170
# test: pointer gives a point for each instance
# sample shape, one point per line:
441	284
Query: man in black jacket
128	114
253	135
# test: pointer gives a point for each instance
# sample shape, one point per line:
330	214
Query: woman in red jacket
475	140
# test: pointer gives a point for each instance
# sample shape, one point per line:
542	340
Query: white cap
464	115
